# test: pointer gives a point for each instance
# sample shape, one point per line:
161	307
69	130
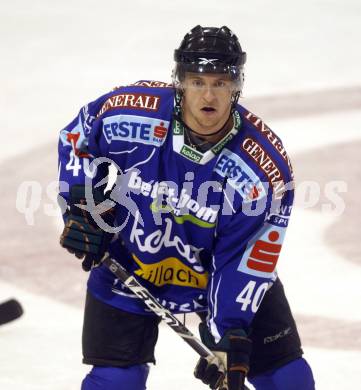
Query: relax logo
170	271
164	238
237	120
217	148
190	154
177	128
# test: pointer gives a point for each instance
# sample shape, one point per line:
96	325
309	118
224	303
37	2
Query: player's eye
220	84
197	83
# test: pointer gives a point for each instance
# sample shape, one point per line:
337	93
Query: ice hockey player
198	213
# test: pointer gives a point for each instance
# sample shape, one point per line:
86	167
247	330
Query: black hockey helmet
210	50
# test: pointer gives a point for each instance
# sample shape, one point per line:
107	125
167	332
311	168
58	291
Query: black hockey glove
233	351
82	236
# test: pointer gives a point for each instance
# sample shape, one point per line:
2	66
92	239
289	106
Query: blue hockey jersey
199	230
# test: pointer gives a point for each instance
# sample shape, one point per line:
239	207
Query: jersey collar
180	147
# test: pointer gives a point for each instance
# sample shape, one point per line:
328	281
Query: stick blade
10	310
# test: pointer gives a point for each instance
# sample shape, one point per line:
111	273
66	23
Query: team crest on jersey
145	130
240	176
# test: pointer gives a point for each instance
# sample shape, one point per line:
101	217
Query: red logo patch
73	139
265	254
160	131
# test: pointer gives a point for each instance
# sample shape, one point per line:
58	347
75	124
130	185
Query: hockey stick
141	292
10	310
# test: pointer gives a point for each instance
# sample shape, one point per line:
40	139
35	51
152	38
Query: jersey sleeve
78	146
244	265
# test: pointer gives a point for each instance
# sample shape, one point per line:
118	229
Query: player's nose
208	94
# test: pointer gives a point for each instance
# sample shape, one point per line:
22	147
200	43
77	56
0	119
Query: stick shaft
141	292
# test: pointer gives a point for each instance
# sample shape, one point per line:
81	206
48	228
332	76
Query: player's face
206	101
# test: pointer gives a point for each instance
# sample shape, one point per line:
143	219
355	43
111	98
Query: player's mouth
208	110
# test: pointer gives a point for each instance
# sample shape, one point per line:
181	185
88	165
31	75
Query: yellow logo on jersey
171	271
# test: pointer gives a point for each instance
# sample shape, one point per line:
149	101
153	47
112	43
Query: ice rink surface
302	77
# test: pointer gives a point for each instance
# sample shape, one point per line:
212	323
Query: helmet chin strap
178	111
